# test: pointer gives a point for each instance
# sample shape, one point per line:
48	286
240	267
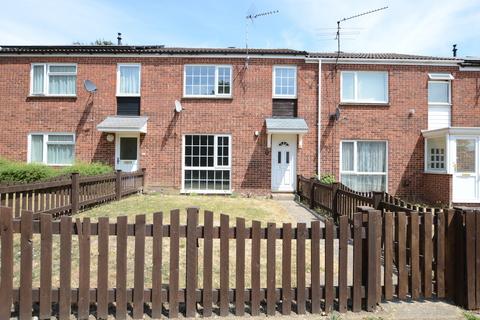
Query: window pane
38	80
60	154
285	81
60	137
465	155
70	69
365	183
371	156
62	84
436	153
438	92
129	80
347	156
36	150
348	89
128	148
371	86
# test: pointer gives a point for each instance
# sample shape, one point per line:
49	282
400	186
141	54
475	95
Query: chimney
119	39
454	50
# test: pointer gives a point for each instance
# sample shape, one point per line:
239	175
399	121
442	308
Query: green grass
471	316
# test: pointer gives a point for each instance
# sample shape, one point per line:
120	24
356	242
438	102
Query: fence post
118	185
450	253
374	230
335	187
312	194
144	178
75	195
377	199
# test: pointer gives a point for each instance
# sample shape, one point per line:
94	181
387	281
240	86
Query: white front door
127	152
284	156
465	170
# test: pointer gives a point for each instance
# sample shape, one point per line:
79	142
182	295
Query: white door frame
459	175
291	139
119	135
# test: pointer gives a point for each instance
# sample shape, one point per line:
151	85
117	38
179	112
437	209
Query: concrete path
298	213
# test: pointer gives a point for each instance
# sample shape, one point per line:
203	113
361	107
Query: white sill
436	172
284	97
219	192
128	95
378	103
207	97
52	96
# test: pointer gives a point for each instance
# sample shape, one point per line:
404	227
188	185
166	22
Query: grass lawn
263	210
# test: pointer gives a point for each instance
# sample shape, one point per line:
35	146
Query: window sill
46	97
436	172
365	104
284	97
207	97
219	192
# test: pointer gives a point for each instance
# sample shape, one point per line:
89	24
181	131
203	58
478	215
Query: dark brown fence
280	268
70	194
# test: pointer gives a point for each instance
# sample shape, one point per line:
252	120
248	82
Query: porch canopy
286	126
123	124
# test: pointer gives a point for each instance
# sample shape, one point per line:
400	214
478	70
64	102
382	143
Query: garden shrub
17	172
87	169
327	178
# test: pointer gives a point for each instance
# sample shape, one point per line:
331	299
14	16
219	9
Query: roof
123	124
163	50
286	125
153	49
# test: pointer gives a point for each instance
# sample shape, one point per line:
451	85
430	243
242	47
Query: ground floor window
52	148
207	163
435	155
363	165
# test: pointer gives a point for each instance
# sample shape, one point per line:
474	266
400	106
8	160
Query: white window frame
355	88
215	167
45	145
440	76
449	103
355	157
46	79
120	94
427	162
216	95
274	82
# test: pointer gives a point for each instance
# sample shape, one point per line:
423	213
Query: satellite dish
178	106
90	86
336	115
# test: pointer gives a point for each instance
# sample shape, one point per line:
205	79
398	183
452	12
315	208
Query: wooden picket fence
70	194
419	256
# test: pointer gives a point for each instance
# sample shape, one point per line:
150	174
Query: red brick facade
437	188
240	116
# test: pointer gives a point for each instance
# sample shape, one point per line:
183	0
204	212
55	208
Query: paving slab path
298	212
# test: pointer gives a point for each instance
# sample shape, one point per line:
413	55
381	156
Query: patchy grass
471	316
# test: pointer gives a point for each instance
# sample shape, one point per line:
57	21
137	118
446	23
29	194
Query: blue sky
408	26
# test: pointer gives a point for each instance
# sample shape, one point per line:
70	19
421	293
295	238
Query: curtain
371	86
36	148
364	183
347	156
129	80
438	92
371	156
38	79
61	84
60	153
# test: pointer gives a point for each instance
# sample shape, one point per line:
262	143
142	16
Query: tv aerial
337	37
252	15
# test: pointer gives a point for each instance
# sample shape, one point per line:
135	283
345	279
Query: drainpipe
319	137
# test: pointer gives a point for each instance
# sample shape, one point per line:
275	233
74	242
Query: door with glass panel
126	152
465	170
284	149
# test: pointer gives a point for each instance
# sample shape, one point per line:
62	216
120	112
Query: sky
427	27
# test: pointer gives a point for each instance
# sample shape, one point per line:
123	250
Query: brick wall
437	188
408	87
162	84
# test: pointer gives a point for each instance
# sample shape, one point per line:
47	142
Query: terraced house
223	121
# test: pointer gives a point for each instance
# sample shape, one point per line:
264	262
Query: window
439	101
364	87
435	153
207	81
438	92
52	148
363	165
285	82
53	79
128	80
207	164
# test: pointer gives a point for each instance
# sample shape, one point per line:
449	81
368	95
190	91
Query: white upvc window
53	79
285	82
207	163
363	165
207	81
435	155
128	79
51	148
439	100
364	87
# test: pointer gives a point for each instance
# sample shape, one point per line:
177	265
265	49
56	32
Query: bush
87	169
327	178
15	172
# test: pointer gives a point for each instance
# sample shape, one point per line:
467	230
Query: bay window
52	148
207	163
53	79
363	165
364	87
435	155
207	81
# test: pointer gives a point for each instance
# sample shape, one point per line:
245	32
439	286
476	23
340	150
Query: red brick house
222	121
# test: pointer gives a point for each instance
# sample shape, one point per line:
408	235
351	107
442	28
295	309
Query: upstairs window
207	81
285	82
439	89
128	80
52	148
53	79
364	87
